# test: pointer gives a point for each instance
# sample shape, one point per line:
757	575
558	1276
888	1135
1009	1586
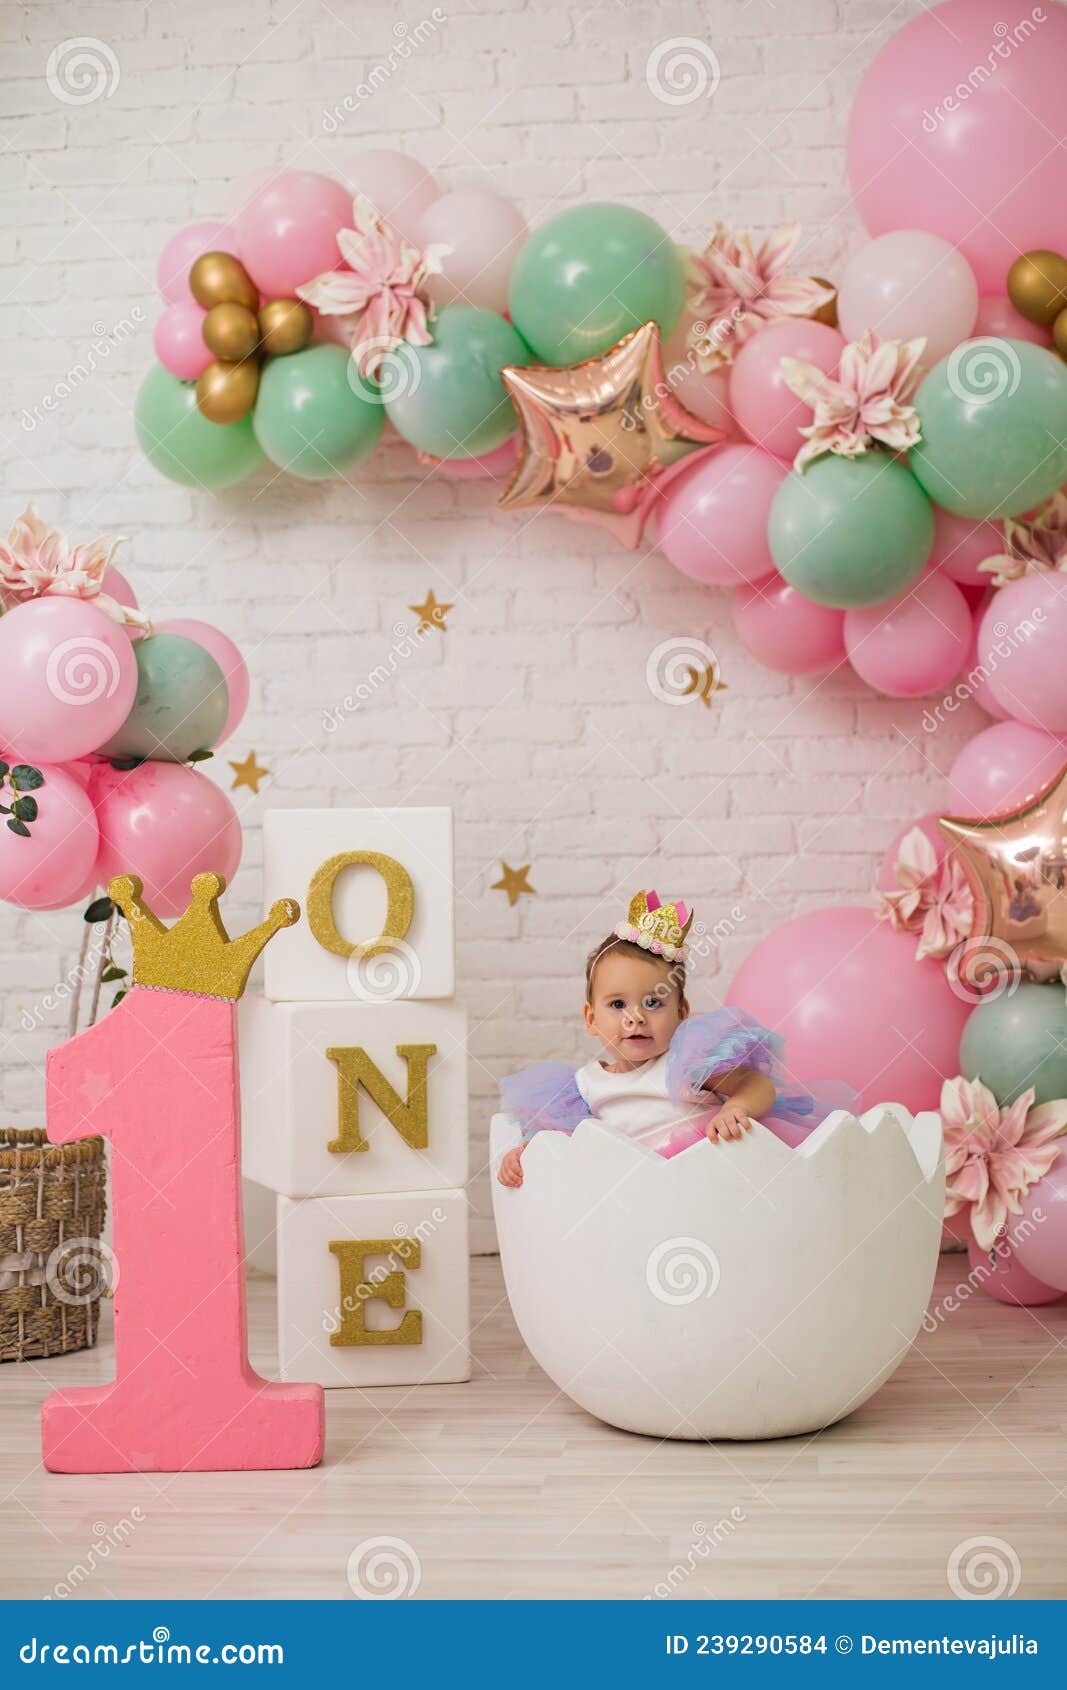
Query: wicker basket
53	1266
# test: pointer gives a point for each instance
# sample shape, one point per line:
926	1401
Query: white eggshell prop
740	1290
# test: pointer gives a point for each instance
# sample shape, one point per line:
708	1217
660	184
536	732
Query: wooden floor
503	1488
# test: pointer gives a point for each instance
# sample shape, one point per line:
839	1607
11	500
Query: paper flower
383	287
866	401
36	562
736	288
992	1155
1032	547
935	900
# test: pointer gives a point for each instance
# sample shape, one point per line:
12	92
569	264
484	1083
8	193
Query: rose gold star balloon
601	439
1016	864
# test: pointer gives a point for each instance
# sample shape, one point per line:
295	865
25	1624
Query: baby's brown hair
625	947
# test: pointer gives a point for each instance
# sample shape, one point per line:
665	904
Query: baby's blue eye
652	1002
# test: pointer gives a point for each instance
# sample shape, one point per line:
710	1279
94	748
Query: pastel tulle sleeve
544	1098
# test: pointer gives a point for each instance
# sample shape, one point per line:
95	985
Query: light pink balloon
485	232
906	284
1022	638
785	630
287	231
181	253
713	520
1001	766
1039	1234
705	393
915	643
117	587
854	1005
164	822
961	544
1006	1279
972	677
219	646
495	463
68	678
49	869
887	879
401	188
766	409
998	317
179	342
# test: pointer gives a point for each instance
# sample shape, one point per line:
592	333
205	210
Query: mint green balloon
313	416
994	428
851	532
447	399
183	445
589	276
181	705
1016	1040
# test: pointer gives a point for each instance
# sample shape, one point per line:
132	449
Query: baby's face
635	1008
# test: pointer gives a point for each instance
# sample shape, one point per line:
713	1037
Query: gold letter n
408	1115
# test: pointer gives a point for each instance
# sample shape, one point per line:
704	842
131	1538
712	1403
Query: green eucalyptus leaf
26	777
99	910
19	827
26	809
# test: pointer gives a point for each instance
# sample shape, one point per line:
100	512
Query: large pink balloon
1001	766
907	284
287	230
181	253
50	869
913	644
68	678
998	318
770	412
961	544
164	822
887	879
1039	1234
933	145
785	630
219	646
179	342
854	1005
117	587
713	520
1006	1279
485	232
704	392
401	189
1022	638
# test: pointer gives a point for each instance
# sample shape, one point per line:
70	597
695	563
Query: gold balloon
1059	334
226	392
217	278
1037	286
285	326
826	313
231	332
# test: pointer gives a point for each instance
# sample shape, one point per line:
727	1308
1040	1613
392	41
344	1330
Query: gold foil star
703	682
514	882
430	613
249	773
601	439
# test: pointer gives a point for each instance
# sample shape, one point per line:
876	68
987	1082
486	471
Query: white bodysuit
637	1102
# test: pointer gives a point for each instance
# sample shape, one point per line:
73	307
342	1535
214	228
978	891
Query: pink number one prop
158	1077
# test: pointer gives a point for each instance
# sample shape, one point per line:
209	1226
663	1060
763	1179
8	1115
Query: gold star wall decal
248	773
703	683
513	881
430	613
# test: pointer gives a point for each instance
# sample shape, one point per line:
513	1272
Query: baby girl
666	1078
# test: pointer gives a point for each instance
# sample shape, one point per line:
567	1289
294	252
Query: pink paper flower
383	288
934	901
37	562
867	401
1032	547
992	1155
736	288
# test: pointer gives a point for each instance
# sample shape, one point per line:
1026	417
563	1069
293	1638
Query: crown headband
655	926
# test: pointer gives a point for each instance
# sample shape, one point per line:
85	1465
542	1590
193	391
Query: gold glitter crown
196	954
658	927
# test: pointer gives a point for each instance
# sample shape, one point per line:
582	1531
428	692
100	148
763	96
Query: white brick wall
531	715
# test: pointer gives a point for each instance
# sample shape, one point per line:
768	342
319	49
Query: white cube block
298	844
304	1112
374	1290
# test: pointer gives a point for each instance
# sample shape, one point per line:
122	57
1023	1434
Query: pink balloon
854	1005
915	643
705	393
179	341
117	587
785	630
164	822
68	678
495	463
973	159
1021	641
287	230
887	880
960	545
770	412
972	676
399	187
998	317
713	520
906	284
1001	766
50	869
1039	1234
485	232
1006	1279
219	646
181	253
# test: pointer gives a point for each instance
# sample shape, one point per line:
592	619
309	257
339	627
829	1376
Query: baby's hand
510	1170
732	1121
